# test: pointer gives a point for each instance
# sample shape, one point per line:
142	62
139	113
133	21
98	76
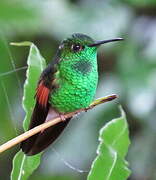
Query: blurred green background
126	68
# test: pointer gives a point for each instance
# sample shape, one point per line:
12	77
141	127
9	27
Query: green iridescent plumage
77	76
77	84
68	83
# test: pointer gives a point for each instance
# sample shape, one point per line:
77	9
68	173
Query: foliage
23	166
127	69
114	134
114	142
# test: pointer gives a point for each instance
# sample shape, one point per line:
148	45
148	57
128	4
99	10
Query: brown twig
43	126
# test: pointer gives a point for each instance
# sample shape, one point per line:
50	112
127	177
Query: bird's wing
40	141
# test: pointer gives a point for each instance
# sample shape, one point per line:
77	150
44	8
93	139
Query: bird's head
81	46
78	53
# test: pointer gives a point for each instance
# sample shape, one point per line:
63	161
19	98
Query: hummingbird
67	84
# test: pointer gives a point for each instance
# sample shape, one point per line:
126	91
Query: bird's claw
63	118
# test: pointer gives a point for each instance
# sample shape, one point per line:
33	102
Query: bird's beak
98	43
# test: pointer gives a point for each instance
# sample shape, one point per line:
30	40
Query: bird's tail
42	140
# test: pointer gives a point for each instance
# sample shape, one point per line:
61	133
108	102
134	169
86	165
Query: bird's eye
77	47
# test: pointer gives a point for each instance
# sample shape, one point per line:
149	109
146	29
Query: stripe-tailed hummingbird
67	84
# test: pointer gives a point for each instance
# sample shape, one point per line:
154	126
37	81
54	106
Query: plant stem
50	123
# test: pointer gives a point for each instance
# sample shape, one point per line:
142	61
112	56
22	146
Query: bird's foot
62	116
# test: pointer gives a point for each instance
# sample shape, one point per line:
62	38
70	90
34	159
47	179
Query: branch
50	123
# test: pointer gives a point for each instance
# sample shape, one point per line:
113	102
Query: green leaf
114	142
36	64
23	165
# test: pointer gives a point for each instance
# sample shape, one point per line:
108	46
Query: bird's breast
76	91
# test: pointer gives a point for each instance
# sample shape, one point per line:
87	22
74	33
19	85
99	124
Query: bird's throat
83	67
